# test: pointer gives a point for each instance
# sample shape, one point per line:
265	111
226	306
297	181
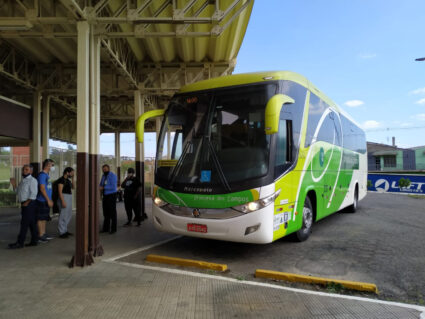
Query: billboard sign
383	183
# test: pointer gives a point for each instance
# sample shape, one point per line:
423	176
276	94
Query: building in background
383	157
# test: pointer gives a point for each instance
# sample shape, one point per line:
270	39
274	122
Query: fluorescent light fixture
13	24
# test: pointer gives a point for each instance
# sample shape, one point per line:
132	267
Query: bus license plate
198	228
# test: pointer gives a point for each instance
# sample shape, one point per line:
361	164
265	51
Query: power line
395	129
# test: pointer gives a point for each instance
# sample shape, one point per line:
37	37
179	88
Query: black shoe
15	246
127	224
31	244
144	217
64	235
113	232
69	234
138	224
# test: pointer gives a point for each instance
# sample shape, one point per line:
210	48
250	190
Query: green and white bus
254	157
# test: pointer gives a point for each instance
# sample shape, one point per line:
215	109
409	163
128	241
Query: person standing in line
44	199
132	190
65	187
27	193
108	189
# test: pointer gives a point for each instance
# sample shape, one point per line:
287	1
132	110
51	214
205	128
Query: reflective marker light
252	229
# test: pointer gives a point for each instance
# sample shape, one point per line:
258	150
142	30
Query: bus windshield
212	140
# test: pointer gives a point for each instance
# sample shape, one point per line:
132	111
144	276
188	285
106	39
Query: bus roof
255	77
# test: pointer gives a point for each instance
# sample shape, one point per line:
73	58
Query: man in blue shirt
108	189
44	199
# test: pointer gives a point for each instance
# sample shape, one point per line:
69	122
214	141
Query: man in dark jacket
108	190
132	201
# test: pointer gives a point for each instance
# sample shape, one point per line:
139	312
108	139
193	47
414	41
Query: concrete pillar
139	109
36	134
118	157
46	126
82	256
95	248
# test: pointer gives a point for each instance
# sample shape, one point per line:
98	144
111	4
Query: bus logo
196	213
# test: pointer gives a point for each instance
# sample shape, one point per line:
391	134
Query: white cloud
371	124
421	101
406	124
354	103
420	117
367	55
418	91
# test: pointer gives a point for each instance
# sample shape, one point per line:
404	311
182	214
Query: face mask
25	175
106	173
52	169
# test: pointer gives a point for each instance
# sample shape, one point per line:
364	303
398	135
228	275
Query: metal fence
11	165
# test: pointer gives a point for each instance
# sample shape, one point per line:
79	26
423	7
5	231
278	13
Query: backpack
55	196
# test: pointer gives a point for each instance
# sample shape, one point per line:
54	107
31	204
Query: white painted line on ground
141	249
260	284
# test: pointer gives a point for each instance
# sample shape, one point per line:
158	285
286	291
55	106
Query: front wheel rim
307	218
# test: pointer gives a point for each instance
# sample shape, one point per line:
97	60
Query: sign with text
396	183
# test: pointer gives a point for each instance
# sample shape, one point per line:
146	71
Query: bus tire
307	225
353	208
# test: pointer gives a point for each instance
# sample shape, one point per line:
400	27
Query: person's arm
60	192
139	189
41	181
101	185
123	183
72	182
13	183
44	193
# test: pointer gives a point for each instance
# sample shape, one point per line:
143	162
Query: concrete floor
35	283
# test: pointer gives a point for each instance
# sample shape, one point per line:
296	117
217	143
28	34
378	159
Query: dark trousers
131	205
28	220
109	204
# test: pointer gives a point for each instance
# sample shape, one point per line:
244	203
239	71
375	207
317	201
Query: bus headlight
159	202
258	204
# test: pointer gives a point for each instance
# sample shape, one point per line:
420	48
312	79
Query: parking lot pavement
383	243
35	283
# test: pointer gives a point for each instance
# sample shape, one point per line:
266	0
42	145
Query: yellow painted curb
354	285
186	262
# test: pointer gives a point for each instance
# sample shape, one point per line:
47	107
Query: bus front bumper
255	227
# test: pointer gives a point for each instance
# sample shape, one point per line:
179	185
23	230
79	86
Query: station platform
35	282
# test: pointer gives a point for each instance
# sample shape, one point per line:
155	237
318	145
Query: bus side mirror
140	125
273	107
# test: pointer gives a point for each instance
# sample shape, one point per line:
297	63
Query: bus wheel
305	230
353	208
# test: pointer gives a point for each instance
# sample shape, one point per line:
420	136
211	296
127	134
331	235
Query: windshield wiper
218	166
176	170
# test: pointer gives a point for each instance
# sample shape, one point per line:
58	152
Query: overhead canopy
155	46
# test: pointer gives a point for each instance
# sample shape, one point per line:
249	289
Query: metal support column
46	126
139	109
36	134
118	157
95	248
82	256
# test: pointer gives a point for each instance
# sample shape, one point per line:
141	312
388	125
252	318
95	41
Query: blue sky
360	53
